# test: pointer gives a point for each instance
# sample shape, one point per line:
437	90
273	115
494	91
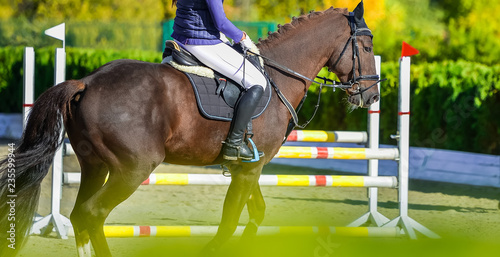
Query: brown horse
128	116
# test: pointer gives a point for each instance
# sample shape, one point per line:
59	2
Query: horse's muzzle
363	100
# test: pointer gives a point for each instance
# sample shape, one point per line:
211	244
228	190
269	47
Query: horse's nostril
373	99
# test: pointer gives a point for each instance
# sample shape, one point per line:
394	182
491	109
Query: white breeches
229	63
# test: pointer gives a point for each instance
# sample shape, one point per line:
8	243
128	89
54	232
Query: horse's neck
303	50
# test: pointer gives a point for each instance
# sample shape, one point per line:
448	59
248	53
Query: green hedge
455	105
91	34
79	62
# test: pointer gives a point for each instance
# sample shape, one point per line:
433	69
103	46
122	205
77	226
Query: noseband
355	80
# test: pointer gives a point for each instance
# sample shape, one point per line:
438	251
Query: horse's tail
22	171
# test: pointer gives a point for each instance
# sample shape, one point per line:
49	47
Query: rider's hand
246	43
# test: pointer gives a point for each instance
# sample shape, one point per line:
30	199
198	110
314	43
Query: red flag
408	50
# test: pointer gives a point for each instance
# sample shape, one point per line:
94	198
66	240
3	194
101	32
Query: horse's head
354	63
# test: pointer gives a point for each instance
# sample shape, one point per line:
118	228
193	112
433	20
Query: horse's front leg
244	179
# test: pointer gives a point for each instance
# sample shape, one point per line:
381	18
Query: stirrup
256	156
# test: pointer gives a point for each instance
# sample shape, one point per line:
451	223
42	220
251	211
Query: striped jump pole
315	136
265	180
307	152
302	136
195	231
327	136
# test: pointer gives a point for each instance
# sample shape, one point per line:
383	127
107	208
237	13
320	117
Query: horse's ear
358	16
359	11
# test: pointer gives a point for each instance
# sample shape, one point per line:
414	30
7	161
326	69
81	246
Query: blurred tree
440	29
6	10
375	11
473	30
282	10
120	10
418	22
168	9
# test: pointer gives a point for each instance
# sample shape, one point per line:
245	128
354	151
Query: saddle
216	95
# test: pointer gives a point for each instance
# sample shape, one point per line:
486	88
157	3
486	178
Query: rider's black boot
234	146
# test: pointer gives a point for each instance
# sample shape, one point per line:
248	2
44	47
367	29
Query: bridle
355	80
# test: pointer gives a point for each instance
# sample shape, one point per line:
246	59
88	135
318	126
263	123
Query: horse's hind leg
93	177
122	182
243	183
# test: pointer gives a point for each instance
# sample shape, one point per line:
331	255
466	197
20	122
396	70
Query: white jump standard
409	225
55	220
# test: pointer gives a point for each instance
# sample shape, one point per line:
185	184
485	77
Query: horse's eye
368	49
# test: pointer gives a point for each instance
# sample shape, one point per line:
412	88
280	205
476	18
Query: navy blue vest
193	23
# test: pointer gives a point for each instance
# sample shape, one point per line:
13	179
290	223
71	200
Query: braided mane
296	22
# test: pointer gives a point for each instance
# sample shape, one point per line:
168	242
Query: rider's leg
234	146
228	62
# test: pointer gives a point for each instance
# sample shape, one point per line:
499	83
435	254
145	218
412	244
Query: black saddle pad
217	104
